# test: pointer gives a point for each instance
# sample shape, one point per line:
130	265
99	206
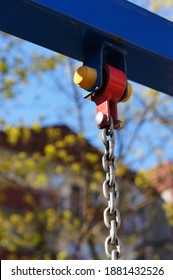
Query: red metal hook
114	89
107	98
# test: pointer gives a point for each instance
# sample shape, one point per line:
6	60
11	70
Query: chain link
111	192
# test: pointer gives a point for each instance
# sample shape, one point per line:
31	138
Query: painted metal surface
78	28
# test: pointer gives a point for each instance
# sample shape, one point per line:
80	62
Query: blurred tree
148	123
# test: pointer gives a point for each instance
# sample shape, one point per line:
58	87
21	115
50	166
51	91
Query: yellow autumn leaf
20	229
15	218
13	135
92	158
8	94
133	238
93	186
59	169
18	164
142	179
80	136
3	66
67	214
98	175
29	198
41	179
76	222
26	135
70	139
36	127
50	224
29	163
60	144
22	155
36	155
62	154
75	167
28	217
5	165
50	150
61	255
53	133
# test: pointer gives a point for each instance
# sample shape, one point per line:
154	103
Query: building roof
161	176
58	135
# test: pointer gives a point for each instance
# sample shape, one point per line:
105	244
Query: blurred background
51	177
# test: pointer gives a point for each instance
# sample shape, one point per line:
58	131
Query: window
76	201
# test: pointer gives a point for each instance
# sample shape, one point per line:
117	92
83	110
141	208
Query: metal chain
111	192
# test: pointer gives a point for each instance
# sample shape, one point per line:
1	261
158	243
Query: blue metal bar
76	28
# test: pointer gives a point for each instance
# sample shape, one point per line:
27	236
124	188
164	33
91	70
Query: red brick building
77	190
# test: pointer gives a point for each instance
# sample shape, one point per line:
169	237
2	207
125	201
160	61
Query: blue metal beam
76	28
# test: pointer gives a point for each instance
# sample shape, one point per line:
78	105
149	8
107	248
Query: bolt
119	125
99	118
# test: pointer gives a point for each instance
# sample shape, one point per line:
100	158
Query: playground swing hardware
104	75
147	39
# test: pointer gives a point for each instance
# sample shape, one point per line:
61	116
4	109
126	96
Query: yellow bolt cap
129	93
85	77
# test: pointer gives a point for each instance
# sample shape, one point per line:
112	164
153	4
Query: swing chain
111	193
